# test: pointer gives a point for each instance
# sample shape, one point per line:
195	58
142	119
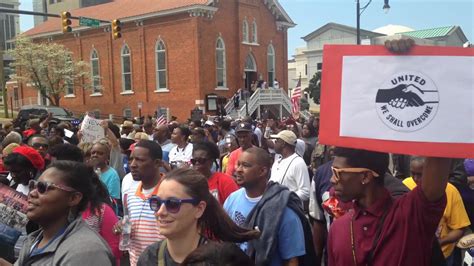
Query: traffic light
66	21
116	28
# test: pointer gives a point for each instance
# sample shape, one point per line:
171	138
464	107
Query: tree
48	67
314	88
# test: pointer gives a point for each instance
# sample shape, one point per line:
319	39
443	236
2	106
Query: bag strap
284	175
161	254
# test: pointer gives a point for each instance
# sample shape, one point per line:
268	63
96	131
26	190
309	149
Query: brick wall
191	59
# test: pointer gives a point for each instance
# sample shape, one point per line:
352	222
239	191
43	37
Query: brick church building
173	54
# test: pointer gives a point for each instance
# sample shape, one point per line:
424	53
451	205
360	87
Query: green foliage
48	67
314	88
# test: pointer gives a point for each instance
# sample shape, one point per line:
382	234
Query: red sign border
330	115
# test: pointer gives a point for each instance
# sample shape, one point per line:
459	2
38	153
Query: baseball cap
287	136
243	127
127	124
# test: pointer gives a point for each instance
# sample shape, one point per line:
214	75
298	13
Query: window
127	113
320	66
126	69
220	63
306	69
95	69
245	31
254	32
69	87
160	66
250	64
271	64
68	79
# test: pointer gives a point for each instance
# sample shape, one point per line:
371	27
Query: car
27	112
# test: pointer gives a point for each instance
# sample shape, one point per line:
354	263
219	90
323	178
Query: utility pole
3	84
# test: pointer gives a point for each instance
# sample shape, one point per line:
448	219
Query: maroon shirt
406	236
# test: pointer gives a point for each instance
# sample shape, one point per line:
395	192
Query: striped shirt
144	226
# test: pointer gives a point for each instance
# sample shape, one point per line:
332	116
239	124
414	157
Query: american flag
161	120
295	98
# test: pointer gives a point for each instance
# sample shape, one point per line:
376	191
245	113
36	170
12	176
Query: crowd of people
218	191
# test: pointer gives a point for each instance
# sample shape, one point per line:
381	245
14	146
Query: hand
117	229
399	46
4	262
79	134
401	96
104	124
50	115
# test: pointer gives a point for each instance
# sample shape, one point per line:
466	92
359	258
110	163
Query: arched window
126	69
69	80
160	51
250	64
245	31
254	32
95	71
220	63
271	64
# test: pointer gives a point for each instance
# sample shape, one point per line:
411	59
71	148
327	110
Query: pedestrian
221	185
277	212
289	169
244	137
56	201
189	217
145	162
382	230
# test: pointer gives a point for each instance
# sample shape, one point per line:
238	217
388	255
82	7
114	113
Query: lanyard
376	239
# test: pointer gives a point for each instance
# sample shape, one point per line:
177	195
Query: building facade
9	24
309	59
173	55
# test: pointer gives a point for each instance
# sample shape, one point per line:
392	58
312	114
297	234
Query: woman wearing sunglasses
188	216
55	202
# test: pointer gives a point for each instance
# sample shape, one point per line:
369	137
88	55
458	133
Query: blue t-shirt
290	234
111	180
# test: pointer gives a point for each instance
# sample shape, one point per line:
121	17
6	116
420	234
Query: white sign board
91	129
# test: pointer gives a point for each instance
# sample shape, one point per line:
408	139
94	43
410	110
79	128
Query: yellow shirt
454	217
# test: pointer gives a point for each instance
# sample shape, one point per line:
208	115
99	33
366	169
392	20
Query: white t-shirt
178	155
129	185
20	188
292	172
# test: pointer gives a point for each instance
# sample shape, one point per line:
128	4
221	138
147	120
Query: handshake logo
407	102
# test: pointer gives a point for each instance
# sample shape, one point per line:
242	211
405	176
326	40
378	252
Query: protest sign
13	207
416	103
91	129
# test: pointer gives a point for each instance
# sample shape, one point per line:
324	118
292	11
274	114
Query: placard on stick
91	129
419	103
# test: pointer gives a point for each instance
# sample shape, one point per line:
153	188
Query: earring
70	216
363	183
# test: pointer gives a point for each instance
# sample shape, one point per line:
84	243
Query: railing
17	104
265	97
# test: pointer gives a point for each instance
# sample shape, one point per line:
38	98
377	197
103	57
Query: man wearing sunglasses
39	143
382	230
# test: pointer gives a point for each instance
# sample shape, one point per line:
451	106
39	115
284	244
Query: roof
127	10
332	25
430	33
118	9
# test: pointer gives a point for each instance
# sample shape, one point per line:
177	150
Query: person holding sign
383	230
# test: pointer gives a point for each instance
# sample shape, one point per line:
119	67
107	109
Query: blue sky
312	14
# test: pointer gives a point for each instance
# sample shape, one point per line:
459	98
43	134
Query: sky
309	15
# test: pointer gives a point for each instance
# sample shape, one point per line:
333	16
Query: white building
308	60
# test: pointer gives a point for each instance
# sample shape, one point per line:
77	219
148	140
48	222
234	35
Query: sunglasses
194	161
338	171
43	187
172	205
40	145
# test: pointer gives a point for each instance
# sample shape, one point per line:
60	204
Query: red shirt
406	237
232	163
221	186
